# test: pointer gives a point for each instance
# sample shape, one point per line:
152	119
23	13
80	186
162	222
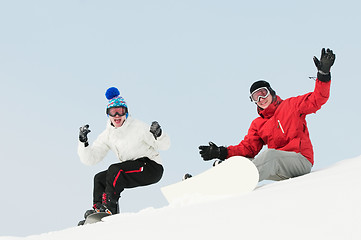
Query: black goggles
114	111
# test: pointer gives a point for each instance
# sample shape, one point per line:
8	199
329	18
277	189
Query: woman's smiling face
117	121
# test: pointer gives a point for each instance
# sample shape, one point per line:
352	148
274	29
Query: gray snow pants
279	165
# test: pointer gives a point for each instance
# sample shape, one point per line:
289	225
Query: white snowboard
236	175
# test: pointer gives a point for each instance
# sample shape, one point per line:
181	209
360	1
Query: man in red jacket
281	126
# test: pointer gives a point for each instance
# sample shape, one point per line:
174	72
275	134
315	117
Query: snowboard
236	175
95	217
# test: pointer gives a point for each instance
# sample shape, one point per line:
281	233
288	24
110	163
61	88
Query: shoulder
135	122
135	125
257	122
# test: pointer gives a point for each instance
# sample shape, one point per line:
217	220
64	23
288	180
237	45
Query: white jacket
131	141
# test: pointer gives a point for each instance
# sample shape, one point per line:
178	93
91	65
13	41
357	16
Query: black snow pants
128	174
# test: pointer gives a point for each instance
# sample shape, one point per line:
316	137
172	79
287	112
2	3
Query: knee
269	153
154	171
99	177
159	174
264	158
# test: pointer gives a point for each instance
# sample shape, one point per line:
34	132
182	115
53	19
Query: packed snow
325	204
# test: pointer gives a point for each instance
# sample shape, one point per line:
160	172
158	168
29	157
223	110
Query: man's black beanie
262	83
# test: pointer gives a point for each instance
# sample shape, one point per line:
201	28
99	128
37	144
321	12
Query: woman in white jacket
136	145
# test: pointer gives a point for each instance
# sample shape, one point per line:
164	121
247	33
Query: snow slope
325	204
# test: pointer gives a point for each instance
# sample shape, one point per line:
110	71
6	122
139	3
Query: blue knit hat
115	100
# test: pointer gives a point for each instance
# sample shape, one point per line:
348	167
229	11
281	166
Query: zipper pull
280	126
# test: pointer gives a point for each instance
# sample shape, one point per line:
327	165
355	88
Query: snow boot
109	204
96	208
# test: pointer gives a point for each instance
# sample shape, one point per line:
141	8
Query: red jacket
282	125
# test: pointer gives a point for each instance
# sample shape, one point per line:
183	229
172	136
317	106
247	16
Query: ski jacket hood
282	125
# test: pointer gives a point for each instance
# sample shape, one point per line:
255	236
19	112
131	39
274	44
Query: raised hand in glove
83	132
324	64
155	129
213	151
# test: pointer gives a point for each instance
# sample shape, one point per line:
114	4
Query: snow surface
324	204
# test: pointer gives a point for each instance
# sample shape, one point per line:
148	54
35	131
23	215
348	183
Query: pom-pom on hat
114	98
112	93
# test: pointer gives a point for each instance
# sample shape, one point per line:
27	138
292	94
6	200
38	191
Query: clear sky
187	64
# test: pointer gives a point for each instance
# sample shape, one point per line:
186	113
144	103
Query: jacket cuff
324	77
223	153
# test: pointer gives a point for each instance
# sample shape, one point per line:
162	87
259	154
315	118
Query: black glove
84	130
324	64
213	151
155	129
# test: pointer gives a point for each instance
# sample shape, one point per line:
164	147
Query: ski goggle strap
114	111
262	92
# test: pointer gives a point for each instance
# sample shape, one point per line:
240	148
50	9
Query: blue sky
187	64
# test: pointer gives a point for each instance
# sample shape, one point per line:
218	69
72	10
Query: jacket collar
271	109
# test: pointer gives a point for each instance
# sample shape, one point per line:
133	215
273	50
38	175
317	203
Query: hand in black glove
155	129
84	130
213	151
324	64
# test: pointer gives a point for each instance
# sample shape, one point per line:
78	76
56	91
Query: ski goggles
259	93
114	111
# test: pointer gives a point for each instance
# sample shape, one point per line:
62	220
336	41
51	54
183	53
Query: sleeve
250	146
94	153
311	102
161	143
